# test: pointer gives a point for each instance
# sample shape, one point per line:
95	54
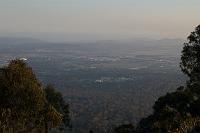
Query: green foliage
189	125
172	112
190	59
23	105
125	129
51	117
55	99
22	94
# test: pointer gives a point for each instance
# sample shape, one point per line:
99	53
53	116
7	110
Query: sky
106	19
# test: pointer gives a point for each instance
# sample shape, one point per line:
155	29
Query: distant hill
19	40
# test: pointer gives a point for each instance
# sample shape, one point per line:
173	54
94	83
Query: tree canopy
24	106
56	100
190	59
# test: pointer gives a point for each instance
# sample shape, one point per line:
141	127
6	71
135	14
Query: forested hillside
25	105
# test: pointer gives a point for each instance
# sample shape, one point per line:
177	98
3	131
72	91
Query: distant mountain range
22	40
19	40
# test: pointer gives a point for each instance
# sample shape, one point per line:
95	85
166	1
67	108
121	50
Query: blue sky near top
111	18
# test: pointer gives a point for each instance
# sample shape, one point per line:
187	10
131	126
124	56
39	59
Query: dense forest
28	106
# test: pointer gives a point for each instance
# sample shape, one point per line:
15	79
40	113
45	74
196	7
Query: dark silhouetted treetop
190	59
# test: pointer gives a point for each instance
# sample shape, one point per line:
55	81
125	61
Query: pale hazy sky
110	18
